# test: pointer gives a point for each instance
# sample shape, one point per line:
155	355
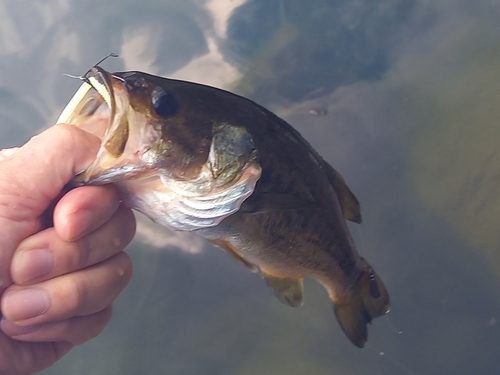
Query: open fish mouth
101	107
185	196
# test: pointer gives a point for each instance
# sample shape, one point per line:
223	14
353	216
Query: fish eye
164	103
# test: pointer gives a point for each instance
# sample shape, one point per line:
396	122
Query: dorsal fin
349	203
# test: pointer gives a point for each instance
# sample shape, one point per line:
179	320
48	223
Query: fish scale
197	158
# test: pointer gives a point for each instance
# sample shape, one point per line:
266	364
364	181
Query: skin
68	247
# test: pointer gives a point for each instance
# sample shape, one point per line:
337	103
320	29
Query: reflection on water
410	96
294	49
456	157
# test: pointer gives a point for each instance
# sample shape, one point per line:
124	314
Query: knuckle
63	135
124	268
125	227
72	256
121	231
75	294
83	249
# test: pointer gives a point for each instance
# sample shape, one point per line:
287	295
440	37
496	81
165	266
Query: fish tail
368	301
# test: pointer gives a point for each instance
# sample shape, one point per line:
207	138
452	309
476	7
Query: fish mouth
101	107
129	157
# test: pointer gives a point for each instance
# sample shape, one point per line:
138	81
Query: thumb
32	177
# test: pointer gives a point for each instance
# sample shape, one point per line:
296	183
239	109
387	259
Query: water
400	96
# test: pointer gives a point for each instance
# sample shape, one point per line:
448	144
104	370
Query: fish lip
98	79
109	165
102	82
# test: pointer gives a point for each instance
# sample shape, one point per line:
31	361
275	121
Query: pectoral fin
288	290
235	254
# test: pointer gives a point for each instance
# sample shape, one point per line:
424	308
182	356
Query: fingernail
25	304
31	264
12	329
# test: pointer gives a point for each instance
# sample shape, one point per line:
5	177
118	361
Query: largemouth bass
196	158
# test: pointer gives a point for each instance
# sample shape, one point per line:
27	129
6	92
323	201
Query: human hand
58	282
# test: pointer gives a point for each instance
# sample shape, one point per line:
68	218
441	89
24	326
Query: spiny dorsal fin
349	203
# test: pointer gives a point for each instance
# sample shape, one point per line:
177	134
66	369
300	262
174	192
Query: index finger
32	177
84	209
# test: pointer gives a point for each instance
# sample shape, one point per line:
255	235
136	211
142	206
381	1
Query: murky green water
401	96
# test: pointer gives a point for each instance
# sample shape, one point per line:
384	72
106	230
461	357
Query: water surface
400	96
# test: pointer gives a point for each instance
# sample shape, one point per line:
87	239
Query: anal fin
288	290
235	254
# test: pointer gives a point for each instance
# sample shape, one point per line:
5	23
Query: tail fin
369	300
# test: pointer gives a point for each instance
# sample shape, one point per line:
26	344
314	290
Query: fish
197	158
